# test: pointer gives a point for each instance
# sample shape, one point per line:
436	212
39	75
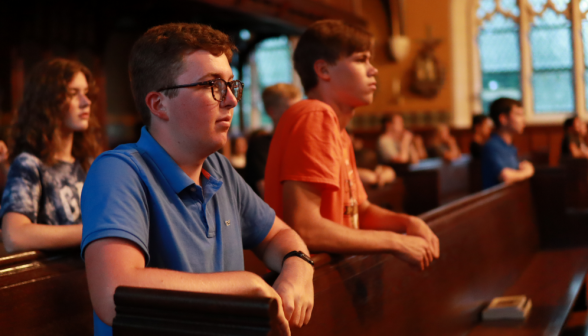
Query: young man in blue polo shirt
500	161
168	211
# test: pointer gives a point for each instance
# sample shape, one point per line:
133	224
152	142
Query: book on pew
508	308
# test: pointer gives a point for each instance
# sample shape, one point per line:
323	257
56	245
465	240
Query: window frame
465	29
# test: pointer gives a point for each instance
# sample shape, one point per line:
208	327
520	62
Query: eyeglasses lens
219	90
237	88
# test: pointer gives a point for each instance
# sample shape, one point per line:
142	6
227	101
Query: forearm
373	217
509	175
285	241
404	153
30	236
323	235
236	283
111	263
367	176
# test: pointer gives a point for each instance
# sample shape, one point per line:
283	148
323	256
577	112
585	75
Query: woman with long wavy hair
53	140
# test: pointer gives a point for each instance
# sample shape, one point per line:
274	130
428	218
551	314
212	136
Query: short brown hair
157	57
277	94
502	106
38	123
327	40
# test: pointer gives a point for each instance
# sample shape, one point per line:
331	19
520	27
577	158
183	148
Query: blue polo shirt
137	192
497	155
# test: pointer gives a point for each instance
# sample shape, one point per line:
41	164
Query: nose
84	100
372	70
230	100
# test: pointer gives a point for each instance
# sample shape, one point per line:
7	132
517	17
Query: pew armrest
146	311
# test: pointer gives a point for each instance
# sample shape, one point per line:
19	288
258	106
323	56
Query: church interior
441	64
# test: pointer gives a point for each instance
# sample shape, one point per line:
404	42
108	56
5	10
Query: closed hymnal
507	308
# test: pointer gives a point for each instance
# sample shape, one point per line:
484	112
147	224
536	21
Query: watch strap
300	255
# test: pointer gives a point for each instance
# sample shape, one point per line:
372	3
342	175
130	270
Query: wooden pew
390	196
576	183
44	294
434	182
491	246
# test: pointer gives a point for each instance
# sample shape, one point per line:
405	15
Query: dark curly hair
37	125
157	57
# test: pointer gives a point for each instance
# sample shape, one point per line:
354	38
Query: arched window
532	50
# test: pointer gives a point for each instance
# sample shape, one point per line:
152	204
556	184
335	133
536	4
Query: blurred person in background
380	175
53	141
276	100
238	152
443	144
500	161
573	144
482	127
397	144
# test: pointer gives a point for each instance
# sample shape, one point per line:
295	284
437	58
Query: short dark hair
157	57
502	106
478	120
327	40
569	122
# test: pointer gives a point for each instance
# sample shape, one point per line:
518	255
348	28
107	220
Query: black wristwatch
300	255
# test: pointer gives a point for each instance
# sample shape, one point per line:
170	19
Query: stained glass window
274	65
499	54
584	9
551	44
552	52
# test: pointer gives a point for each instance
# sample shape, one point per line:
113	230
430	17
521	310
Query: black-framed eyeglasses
218	87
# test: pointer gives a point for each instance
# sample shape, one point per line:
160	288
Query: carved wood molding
297	12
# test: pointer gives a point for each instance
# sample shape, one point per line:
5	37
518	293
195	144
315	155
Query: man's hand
294	286
407	137
268	291
527	167
415	251
417	227
384	175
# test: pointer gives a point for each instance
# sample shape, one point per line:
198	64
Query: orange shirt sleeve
312	152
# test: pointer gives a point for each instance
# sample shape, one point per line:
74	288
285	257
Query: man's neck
505	135
479	138
344	112
187	158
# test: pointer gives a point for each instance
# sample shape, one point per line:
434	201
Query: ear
503	118
156	102
321	68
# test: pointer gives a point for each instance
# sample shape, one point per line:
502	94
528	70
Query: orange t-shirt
308	146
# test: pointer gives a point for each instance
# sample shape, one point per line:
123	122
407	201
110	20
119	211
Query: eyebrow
214	75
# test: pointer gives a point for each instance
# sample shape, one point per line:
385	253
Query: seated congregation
308	230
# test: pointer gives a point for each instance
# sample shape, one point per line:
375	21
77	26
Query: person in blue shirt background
169	212
500	162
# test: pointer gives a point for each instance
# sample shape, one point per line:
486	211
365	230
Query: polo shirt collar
174	175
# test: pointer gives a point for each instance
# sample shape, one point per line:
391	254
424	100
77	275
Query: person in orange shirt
311	175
